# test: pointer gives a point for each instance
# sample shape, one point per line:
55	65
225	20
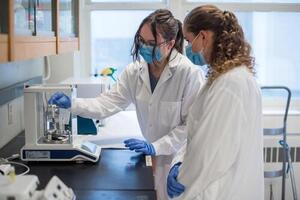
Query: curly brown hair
230	49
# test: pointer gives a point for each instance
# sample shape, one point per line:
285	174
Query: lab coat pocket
170	113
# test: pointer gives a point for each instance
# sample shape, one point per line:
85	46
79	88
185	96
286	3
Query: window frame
178	8
124	5
249	7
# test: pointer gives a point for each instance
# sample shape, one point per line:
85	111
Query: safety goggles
152	43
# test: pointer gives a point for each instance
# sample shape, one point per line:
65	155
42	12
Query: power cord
14	156
8	160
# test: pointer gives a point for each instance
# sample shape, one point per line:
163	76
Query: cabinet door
36	28
33	30
45	18
3	48
68	25
3	31
33	17
68	18
23	22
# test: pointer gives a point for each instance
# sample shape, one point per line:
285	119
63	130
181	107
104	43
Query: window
270	26
127	1
112	33
247	1
274	37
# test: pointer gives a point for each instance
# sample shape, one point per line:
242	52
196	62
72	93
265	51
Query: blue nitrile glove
140	146
60	99
174	188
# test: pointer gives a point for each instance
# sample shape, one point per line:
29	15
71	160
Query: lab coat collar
166	74
170	68
144	74
174	59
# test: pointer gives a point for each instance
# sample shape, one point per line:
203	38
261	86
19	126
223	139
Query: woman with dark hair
162	86
223	159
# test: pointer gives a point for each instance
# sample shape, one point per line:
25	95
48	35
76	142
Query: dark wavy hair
161	21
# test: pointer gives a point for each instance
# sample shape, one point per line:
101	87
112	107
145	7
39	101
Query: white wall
10	128
12	73
64	66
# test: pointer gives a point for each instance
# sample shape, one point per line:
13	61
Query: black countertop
119	174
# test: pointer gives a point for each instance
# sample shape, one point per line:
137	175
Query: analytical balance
50	132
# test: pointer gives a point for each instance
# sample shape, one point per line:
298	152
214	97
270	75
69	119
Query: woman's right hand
60	99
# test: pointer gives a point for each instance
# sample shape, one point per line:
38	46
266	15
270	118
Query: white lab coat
224	154
161	115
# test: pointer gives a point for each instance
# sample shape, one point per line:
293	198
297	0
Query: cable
8	161
20	164
14	156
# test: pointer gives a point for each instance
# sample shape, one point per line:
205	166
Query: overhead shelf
26	36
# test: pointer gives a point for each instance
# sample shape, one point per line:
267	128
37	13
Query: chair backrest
279	131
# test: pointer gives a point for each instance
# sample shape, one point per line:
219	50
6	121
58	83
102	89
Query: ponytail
179	38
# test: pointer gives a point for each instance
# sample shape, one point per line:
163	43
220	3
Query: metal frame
125	6
280	131
249	7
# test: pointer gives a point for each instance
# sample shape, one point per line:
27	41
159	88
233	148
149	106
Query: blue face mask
146	53
196	58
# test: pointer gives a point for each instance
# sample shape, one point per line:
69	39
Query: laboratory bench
119	174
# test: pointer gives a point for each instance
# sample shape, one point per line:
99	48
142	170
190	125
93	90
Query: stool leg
271	192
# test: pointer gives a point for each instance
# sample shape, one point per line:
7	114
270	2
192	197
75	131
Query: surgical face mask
196	58
146	53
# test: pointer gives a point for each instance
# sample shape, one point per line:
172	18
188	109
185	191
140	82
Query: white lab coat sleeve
213	149
179	155
106	104
173	141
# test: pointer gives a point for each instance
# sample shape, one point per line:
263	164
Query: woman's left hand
140	146
174	188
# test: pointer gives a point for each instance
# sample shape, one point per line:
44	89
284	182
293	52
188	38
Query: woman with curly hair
224	155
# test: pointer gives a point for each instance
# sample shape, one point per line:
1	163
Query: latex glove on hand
140	146
174	188
60	99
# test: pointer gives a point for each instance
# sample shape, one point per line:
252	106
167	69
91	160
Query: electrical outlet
10	114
